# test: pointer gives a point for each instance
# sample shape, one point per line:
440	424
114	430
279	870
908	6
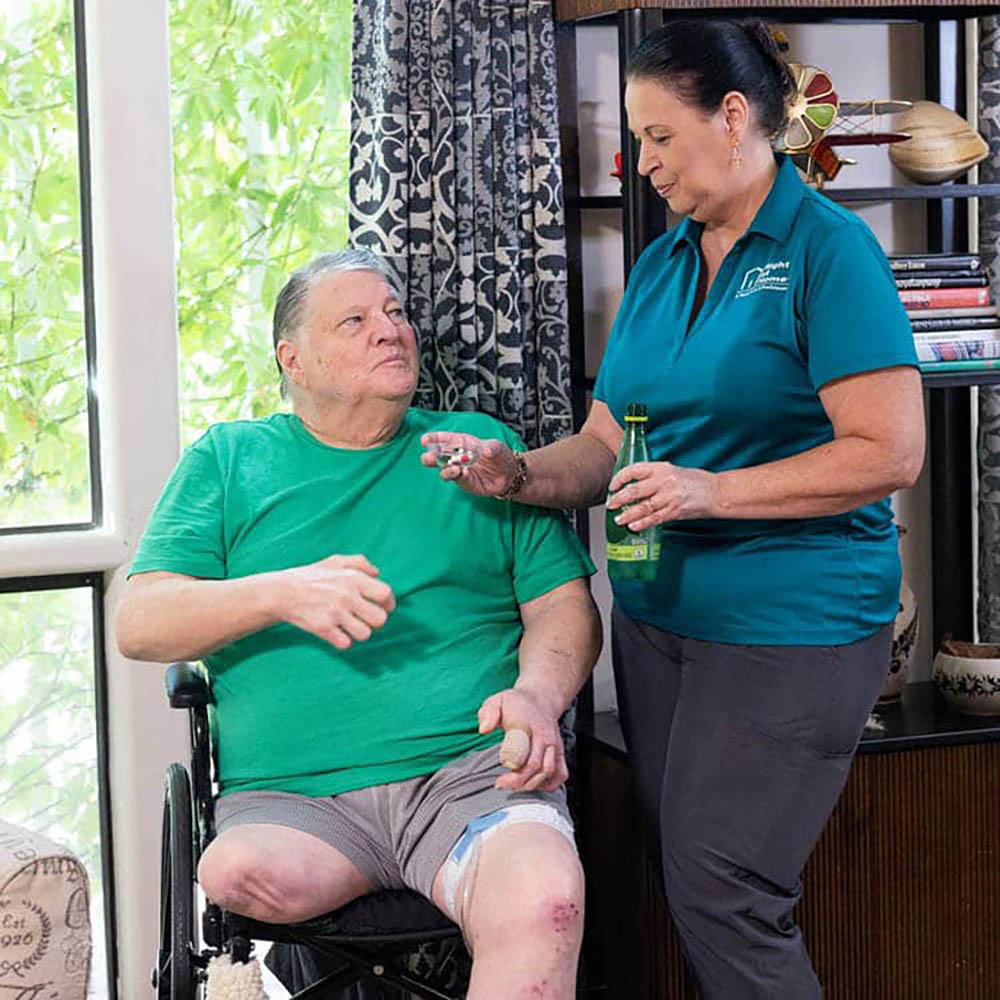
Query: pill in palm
460	455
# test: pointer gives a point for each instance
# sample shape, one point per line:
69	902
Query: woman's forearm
832	478
878	447
571	473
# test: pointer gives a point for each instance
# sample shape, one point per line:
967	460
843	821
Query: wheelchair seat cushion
389	922
394	925
398	914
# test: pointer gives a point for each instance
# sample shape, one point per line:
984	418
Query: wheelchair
365	944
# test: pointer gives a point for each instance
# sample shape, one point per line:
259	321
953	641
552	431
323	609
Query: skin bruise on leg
564	916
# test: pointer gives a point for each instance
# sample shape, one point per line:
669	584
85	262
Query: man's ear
287	353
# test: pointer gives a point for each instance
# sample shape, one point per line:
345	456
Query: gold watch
520	477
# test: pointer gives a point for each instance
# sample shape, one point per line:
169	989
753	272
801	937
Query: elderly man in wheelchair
370	637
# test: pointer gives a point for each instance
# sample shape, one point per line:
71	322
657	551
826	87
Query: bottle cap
635	413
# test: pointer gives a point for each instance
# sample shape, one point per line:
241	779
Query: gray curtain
988	611
455	178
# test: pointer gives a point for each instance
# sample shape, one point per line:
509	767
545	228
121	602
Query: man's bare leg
521	910
277	875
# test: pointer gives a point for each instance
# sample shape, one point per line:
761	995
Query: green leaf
266	76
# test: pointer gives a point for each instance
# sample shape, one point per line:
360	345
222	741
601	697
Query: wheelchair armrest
188	685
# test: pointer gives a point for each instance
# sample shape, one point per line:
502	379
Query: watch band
520	477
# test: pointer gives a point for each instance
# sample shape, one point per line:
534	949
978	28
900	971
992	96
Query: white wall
865	61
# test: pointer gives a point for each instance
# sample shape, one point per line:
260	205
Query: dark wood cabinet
901	896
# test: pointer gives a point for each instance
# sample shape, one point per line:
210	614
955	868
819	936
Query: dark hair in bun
702	59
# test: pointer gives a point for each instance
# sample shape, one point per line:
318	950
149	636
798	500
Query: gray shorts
397	835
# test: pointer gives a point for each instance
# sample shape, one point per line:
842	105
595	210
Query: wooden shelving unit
914	192
789	10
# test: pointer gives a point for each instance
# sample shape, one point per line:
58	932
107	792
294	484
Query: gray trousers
739	754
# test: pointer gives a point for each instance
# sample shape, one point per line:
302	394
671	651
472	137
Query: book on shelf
927	281
957	350
958	275
935	261
944	324
931	314
938	298
977	364
971	333
941	279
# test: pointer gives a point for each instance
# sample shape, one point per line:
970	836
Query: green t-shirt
295	714
804	297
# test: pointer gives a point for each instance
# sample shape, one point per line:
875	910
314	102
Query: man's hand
492	472
517	708
337	598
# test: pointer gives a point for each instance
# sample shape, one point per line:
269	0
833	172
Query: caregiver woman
766	338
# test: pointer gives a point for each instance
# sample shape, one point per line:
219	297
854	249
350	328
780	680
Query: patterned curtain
455	179
988	612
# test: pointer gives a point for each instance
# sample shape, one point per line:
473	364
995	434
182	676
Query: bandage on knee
461	864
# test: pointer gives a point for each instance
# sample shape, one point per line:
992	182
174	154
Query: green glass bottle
632	555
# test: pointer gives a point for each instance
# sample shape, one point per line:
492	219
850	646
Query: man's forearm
172	617
560	645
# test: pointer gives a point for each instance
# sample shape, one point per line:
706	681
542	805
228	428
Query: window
261	128
46	430
50	675
52	704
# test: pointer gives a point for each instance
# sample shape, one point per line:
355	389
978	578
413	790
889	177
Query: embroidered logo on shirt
771	277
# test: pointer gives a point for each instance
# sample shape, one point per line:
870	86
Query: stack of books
947	297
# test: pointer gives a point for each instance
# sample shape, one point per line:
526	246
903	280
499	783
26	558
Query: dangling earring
737	156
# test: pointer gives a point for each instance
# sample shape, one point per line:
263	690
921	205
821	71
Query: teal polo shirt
804	297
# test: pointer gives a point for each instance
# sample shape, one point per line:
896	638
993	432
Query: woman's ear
736	113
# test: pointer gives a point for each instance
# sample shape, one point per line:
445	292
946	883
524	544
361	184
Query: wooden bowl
942	144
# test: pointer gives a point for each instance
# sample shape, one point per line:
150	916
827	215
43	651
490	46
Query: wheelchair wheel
174	977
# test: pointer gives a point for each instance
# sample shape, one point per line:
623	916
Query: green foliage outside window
261	128
48	742
48	783
43	421
261	118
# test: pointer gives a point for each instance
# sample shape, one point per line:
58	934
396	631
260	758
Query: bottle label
633	551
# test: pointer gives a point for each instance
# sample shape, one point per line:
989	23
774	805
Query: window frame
126	190
87	283
95	583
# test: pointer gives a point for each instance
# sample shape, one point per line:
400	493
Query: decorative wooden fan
812	108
